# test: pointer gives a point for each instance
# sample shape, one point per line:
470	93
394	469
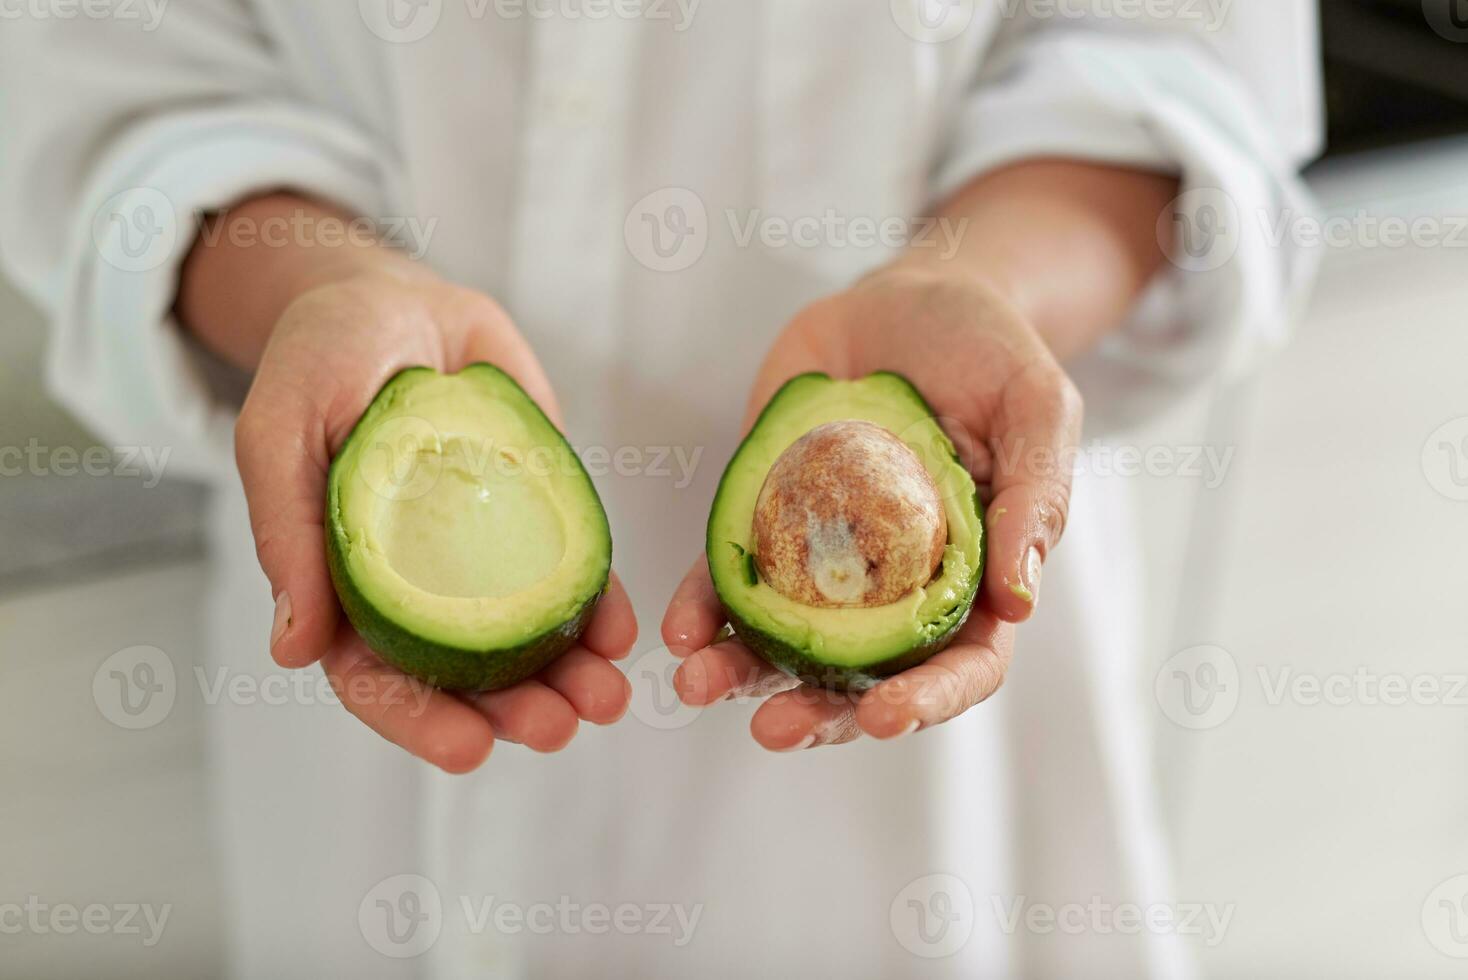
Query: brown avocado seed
848	516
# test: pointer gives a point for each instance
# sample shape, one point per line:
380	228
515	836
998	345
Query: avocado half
844	648
464	537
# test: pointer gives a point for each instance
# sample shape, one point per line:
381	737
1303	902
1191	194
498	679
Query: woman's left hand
1015	417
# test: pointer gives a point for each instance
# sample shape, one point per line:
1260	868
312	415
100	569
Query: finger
974	454
530	714
281	452
1039	428
613	627
805	718
431	724
597	690
947	685
694	615
727	670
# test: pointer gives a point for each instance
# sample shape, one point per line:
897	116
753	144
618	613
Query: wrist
342	265
918	269
251	262
924	267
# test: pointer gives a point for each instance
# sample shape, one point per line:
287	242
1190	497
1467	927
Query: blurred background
1324	583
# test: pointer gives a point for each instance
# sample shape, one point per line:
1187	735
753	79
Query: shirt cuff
118	357
1233	284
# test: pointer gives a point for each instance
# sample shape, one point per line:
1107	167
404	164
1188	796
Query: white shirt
621	185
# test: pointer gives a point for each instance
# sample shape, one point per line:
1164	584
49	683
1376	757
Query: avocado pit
848	516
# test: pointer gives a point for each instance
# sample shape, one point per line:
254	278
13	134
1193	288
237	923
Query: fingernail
1031	574
907	729
282	618
692	682
804	743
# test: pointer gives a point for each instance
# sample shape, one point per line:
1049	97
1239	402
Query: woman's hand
1015	418
333	347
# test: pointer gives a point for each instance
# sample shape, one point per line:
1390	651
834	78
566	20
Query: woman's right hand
328	354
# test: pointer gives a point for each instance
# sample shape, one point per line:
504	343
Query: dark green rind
453	668
804	664
800	663
438	664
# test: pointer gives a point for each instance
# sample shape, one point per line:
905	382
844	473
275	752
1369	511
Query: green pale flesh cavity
846	648
465	539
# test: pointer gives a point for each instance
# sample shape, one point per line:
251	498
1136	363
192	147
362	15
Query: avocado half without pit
465	539
846	540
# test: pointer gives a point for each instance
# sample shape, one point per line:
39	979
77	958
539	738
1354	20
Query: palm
962	346
330	353
1001	396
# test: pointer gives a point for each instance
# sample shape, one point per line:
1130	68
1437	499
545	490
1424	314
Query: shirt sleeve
1232	107
119	136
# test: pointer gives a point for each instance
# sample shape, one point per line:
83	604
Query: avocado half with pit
843	647
465	539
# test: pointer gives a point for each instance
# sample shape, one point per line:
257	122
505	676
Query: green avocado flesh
844	648
465	540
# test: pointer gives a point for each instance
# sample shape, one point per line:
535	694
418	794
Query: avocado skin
440	665
800	663
451	668
797	663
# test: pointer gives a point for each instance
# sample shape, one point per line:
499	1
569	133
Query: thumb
283	458
1036	434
